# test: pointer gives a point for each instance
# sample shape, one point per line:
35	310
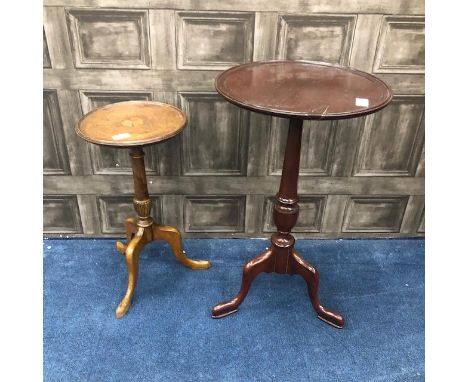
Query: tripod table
297	90
134	124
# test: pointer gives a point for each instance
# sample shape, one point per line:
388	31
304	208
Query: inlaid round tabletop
303	89
131	123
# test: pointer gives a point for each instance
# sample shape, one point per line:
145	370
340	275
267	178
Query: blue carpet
168	334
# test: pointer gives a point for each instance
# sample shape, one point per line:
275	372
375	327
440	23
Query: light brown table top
303	89
131	123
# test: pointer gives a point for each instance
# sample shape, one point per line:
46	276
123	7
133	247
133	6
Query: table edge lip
286	114
135	143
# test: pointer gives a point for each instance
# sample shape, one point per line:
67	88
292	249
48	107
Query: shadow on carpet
169	335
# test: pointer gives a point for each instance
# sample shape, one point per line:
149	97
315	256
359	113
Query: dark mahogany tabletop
303	89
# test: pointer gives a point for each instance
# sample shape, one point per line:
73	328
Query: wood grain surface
131	123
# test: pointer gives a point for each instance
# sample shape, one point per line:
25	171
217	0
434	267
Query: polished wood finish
281	257
303	89
298	90
148	119
143	230
131	123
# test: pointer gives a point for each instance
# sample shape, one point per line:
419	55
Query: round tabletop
131	123
303	89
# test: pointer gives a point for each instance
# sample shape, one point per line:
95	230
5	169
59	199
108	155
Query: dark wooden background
362	177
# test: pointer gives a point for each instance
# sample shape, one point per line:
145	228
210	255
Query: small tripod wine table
297	90
134	124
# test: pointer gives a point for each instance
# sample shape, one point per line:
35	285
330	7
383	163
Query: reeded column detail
143	230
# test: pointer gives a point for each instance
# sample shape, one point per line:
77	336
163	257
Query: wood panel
214	40
324	38
45	52
214	213
105	38
422	226
392	140
214	142
55	158
374	214
60	214
360	177
401	46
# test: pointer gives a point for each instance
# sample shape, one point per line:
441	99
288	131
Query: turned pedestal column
281	257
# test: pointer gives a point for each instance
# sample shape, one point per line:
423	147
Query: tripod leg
261	263
172	236
311	276
131	229
132	255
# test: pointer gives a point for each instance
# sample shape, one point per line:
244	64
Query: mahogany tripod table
297	90
134	124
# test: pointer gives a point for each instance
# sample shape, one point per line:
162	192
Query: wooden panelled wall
361	177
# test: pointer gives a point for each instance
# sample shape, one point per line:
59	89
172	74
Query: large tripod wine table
297	90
